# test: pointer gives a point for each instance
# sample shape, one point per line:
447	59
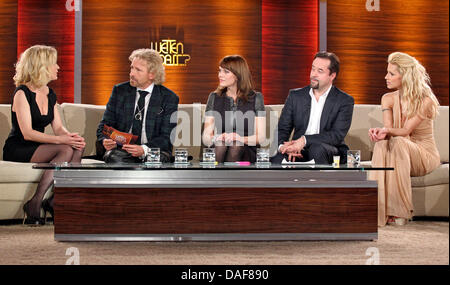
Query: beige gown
414	155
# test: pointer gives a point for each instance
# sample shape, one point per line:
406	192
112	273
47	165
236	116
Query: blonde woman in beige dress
406	142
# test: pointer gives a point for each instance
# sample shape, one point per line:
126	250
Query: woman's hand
72	139
230	137
378	134
382	134
372	135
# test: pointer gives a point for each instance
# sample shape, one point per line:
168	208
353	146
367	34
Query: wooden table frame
214	205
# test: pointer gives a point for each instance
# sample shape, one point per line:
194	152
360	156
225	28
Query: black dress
16	147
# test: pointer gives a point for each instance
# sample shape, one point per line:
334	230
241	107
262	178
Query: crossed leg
49	153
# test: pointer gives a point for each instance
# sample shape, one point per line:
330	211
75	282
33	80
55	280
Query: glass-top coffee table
207	202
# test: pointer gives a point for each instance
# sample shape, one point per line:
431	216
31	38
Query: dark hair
238	65
334	61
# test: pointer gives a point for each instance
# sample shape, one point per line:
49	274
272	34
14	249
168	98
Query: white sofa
18	180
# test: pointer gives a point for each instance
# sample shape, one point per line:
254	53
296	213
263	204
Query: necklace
138	115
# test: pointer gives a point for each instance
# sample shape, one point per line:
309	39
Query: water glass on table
209	155
262	156
153	155
181	155
353	158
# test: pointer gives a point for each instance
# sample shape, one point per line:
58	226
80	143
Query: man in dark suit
320	115
143	107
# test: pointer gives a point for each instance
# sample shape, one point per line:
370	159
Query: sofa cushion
436	177
11	172
5	125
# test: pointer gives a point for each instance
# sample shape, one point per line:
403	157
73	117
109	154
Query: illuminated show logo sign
171	52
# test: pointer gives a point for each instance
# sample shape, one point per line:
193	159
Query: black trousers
322	153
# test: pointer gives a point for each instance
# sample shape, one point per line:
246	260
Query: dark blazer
158	126
334	123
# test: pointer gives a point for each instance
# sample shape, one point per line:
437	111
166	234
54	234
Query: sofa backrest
188	133
441	133
364	118
84	119
5	125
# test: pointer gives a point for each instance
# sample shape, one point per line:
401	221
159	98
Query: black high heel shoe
29	219
46	206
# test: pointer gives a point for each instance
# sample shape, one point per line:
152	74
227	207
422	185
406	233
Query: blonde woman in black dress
33	108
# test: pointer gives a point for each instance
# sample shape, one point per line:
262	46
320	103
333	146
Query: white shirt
147	100
315	114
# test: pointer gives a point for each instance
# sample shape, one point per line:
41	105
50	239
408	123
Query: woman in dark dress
235	121
33	108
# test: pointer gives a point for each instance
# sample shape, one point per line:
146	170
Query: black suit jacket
334	123
158	126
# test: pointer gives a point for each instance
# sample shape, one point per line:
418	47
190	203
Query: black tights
228	153
50	153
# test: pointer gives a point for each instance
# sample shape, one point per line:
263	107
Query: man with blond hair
142	107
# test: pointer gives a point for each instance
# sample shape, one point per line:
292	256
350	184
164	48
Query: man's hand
293	156
293	148
134	149
284	147
109	144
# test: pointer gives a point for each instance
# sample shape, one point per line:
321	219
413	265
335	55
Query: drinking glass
262	155
153	155
353	157
209	155
181	155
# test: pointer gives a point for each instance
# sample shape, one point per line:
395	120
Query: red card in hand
120	138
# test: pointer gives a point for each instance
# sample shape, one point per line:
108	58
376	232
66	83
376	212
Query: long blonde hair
415	83
33	66
154	63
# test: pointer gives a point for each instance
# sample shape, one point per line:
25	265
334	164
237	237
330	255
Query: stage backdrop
364	35
24	23
278	39
8	48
